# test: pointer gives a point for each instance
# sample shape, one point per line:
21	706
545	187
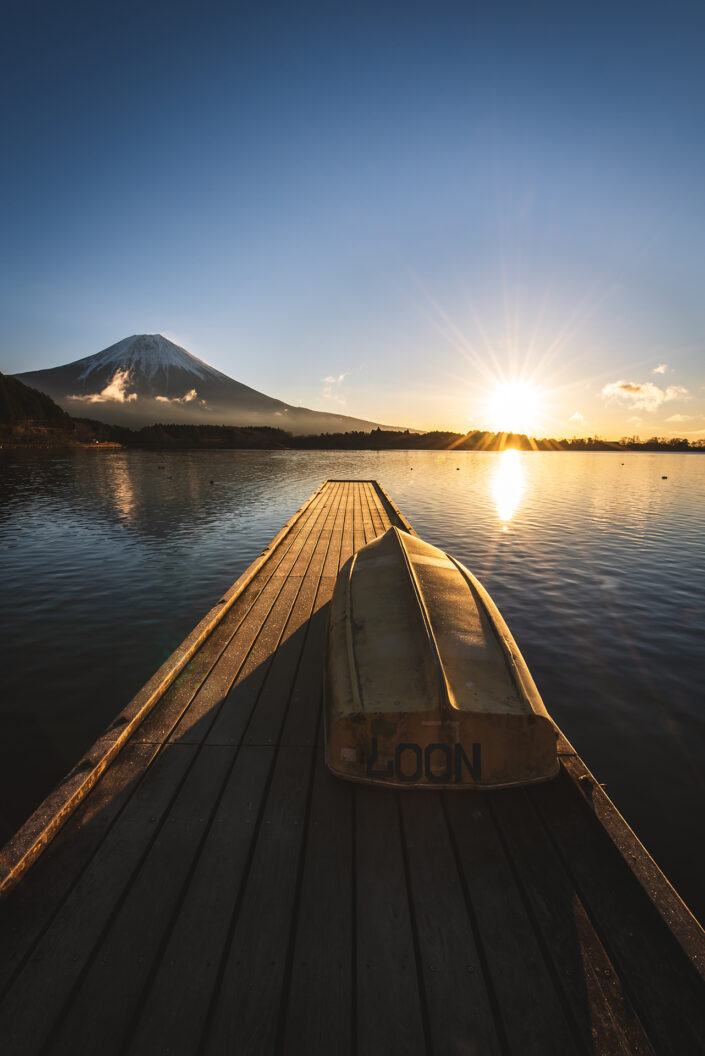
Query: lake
597	563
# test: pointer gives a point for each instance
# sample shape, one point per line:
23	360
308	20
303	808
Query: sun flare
514	407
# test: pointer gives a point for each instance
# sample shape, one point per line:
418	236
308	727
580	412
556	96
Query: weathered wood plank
662	980
380	523
368	528
331	563
63	951
174	1008
228	721
319	1014
266	723
638	861
460	1012
591	989
222	708
390	1021
347	541
393	512
359	535
27	911
381	515
248	613
270	948
105	1002
532	1016
245	1018
300	726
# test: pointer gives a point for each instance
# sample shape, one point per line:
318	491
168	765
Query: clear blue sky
415	200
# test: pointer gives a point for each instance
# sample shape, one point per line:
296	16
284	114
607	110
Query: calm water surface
107	560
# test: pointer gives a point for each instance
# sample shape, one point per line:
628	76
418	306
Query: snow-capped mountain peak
147	354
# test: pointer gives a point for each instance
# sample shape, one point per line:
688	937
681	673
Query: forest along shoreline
29	418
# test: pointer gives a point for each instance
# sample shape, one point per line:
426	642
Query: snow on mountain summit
148	354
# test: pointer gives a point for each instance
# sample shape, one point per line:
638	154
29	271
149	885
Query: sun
514	407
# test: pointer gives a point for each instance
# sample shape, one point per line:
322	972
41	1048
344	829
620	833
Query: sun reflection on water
508	484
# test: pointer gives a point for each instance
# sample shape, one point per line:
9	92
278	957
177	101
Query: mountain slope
146	378
20	404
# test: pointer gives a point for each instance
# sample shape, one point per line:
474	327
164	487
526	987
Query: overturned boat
425	685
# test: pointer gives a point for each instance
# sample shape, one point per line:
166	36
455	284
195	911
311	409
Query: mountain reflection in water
108	559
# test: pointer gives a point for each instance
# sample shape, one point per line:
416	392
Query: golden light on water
514	407
508	484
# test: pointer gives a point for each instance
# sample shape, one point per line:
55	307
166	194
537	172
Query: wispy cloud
660	369
646	396
635	419
331	389
188	397
115	391
576	417
679	418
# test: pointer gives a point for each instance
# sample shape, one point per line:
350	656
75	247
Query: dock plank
359	534
461	1018
323	958
244	1015
390	1020
25	916
233	719
532	1016
588	982
115	978
266	723
175	1004
376	501
380	523
234	635
302	714
641	945
63	951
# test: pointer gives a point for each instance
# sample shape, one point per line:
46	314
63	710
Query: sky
435	215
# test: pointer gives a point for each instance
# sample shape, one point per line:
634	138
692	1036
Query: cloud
188	397
115	391
577	417
331	382
679	418
660	369
635	419
646	396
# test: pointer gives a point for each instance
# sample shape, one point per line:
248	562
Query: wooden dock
201	884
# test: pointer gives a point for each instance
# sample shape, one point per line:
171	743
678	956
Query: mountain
146	378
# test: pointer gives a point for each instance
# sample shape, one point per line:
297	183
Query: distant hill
21	405
147	379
